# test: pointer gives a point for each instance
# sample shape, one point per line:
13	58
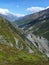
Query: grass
10	55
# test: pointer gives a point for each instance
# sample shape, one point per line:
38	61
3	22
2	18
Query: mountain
10	35
25	41
9	16
37	22
16	49
36	28
30	18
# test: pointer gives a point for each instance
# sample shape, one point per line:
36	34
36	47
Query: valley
25	41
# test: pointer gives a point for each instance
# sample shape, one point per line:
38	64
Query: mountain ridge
36	25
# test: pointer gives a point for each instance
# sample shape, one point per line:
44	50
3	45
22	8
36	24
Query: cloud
7	12
20	15
47	7
36	9
4	11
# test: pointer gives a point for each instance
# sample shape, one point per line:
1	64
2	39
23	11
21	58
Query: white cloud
19	15
6	12
36	9
47	7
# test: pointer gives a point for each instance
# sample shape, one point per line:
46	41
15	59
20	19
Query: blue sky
21	6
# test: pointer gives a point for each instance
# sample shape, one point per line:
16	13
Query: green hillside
12	54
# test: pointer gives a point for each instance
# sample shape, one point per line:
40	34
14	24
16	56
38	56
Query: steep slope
36	29
36	22
11	36
15	48
31	19
12	56
43	28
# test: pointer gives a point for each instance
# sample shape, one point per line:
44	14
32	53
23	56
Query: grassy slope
5	31
12	56
9	32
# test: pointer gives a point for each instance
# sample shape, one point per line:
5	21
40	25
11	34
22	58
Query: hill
15	49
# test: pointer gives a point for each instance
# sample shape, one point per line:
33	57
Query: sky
23	7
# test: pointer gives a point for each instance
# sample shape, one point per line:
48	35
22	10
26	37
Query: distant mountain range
9	16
